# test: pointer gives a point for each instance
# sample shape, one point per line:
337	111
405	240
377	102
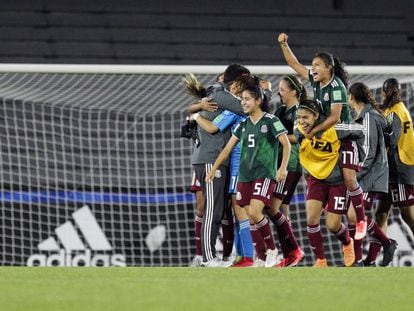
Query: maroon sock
357	243
343	235
197	232
287	239
374	249
227	227
264	228
376	231
258	242
316	240
357	200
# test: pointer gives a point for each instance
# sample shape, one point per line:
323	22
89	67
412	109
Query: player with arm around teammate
320	157
204	154
243	239
259	136
329	81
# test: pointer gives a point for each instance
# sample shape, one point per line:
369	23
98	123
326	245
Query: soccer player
373	176
400	158
329	79
243	238
319	156
259	136
290	91
215	193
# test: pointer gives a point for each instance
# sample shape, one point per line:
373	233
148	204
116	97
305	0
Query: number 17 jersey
259	147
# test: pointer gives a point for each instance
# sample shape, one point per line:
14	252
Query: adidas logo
75	252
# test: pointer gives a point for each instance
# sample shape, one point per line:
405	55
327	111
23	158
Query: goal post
94	171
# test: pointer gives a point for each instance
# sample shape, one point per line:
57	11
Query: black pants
215	196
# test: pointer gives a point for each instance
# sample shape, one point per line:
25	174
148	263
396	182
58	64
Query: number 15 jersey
259	147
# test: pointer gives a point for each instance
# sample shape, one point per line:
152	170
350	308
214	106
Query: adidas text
63	259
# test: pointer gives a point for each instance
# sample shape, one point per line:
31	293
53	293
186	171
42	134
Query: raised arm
290	58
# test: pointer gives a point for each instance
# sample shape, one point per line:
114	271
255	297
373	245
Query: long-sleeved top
374	173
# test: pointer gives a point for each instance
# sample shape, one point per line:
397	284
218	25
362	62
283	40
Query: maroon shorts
195	184
402	194
349	155
260	189
383	196
334	197
285	189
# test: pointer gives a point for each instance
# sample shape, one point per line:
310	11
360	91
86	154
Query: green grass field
206	289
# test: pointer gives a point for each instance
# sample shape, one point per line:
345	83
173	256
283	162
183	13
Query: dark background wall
205	32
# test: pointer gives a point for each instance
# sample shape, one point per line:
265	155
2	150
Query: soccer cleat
349	254
259	263
321	263
360	230
389	252
196	262
292	260
369	264
282	264
295	257
237	259
271	255
244	263
358	264
216	263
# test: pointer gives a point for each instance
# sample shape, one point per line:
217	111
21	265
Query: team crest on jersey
263	129
326	97
238	196
217	174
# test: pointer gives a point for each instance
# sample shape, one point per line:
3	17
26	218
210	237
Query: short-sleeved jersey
334	93
259	146
288	118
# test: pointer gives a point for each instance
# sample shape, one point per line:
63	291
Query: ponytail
193	86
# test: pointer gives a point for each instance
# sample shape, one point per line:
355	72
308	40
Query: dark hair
294	83
257	93
310	105
234	71
337	66
391	88
245	80
362	93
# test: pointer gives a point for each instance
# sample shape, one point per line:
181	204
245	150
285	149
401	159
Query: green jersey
288	118
334	93
259	147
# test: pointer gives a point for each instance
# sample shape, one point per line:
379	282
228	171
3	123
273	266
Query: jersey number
250	139
339	203
257	188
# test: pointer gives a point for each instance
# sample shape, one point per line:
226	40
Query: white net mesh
94	172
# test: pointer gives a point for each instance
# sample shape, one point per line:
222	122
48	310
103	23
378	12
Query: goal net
94	172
